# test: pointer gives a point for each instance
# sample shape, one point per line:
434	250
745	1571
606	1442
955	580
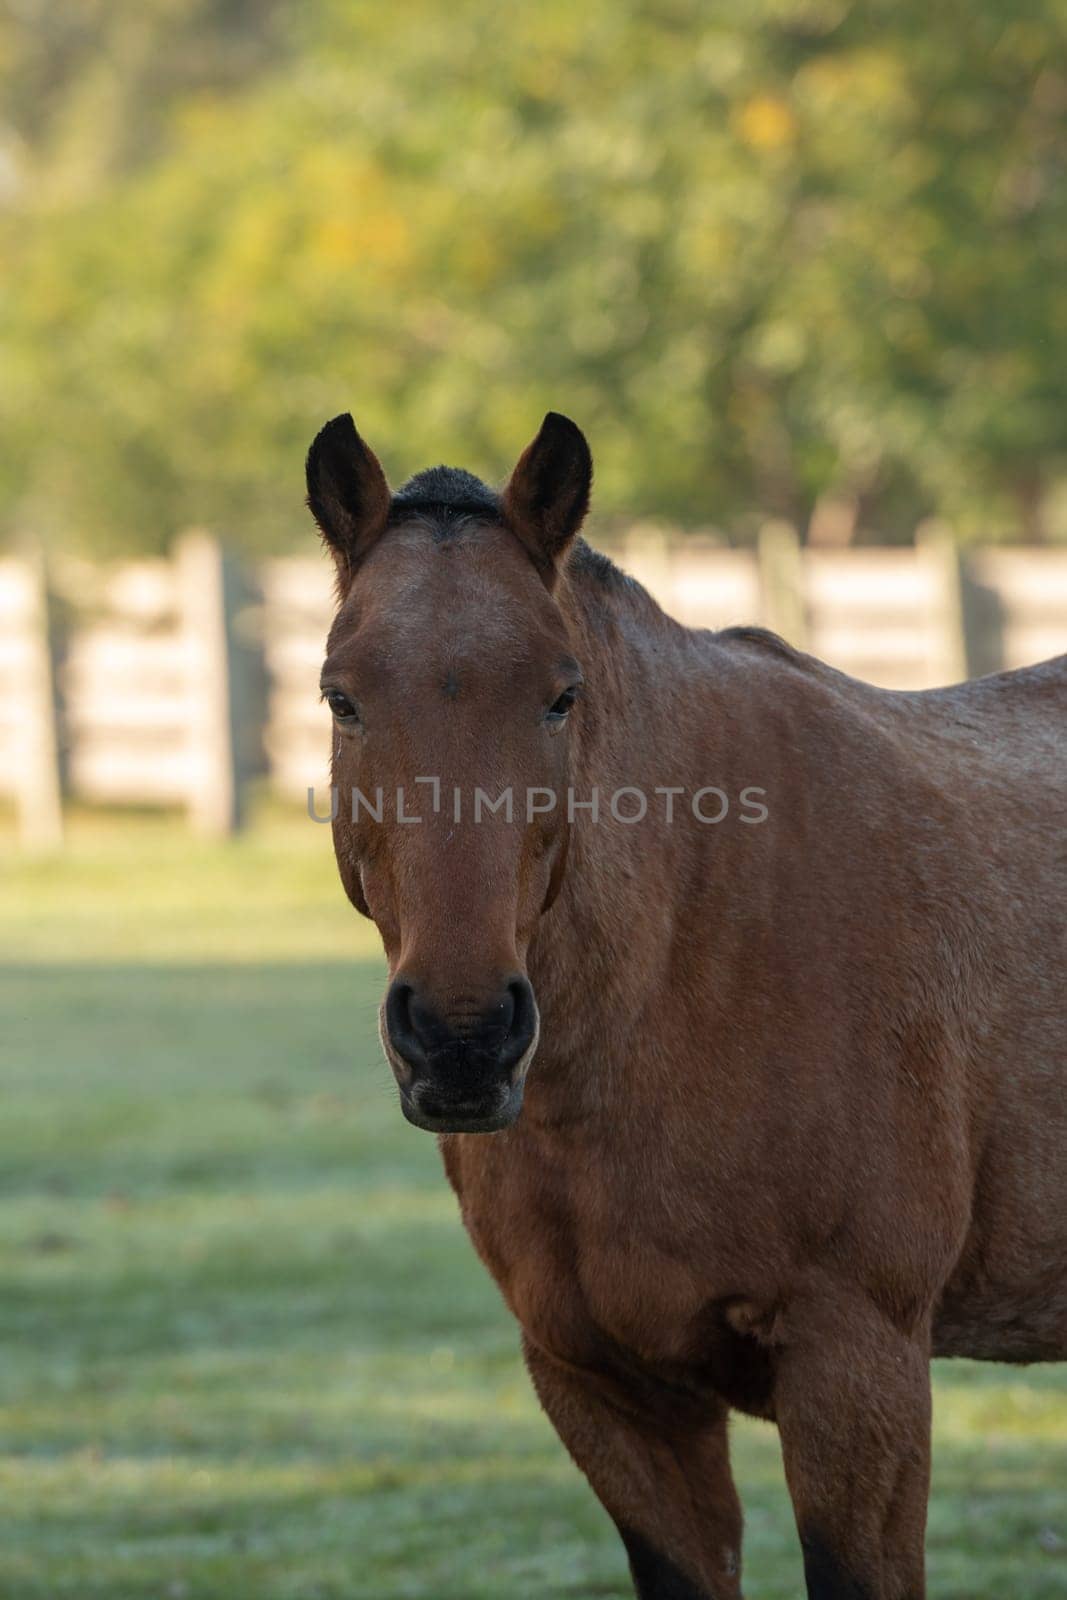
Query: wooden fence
29	769
174	682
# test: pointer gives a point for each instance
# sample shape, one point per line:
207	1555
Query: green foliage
764	254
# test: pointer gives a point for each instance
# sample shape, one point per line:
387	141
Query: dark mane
446	492
745	633
589	563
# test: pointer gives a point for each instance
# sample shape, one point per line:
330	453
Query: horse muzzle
460	1075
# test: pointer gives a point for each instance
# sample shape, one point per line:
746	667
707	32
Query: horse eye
340	705
559	709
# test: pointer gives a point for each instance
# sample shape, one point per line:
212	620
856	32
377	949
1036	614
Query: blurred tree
801	257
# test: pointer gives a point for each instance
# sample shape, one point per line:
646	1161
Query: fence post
208	583
37	777
937	551
782	582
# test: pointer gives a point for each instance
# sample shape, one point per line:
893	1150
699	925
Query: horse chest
583	1265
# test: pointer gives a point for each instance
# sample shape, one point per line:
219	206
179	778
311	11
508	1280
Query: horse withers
734	989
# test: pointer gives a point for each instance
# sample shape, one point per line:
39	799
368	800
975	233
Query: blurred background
798	269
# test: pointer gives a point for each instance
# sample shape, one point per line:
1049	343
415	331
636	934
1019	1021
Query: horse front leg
852	1400
661	1472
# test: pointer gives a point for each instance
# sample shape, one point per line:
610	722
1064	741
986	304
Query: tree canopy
771	257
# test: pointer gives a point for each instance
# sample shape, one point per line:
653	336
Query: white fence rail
174	682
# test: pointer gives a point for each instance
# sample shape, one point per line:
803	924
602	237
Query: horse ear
547	495
347	493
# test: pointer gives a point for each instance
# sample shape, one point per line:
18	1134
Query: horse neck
632	656
591	959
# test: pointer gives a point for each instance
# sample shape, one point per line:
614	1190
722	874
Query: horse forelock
445	494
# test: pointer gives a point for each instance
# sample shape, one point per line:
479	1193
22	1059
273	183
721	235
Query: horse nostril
508	1007
424	1022
414	1027
399	1021
522	1021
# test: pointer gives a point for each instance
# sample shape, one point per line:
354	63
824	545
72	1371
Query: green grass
246	1352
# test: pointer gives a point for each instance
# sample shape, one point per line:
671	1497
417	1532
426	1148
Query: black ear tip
335	440
564	433
337	431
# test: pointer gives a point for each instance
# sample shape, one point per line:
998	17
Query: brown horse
790	952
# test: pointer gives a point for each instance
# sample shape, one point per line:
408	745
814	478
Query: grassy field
245	1350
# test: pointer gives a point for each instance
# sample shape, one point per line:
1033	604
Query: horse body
797	1117
859	1012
